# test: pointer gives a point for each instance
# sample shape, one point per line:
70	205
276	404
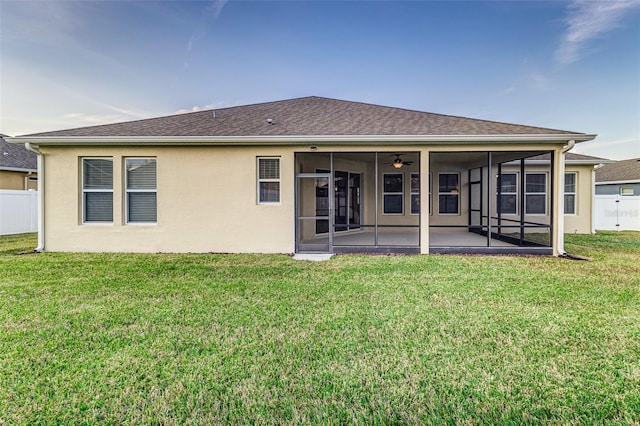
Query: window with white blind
570	193
268	180
97	190
141	191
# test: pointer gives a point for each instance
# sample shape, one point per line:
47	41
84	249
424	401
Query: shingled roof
620	171
305	116
16	157
574	158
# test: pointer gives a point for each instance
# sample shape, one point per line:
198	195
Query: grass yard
254	339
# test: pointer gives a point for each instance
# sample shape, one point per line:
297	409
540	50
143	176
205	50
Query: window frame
413	193
128	191
385	193
451	193
260	180
529	193
513	194
84	191
430	194
574	193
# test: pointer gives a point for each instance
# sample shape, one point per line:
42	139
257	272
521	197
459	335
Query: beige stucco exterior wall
206	202
582	221
17	180
207	197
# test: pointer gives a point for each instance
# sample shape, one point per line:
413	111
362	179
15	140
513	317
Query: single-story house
620	177
617	198
304	175
18	185
18	167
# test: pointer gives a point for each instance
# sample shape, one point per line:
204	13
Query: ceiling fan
398	163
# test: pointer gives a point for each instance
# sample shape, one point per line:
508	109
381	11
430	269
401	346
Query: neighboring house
618	196
303	175
18	167
621	177
18	182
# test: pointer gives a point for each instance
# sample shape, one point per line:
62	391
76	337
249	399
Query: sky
569	65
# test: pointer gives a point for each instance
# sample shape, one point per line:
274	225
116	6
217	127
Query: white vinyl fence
617	212
18	211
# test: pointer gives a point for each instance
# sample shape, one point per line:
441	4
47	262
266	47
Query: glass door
341	200
314	212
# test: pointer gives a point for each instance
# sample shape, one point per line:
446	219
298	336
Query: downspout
26	181
566	148
40	155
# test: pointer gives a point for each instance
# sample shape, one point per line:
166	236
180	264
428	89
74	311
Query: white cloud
194	108
82	119
60	26
211	13
588	20
213	105
621	148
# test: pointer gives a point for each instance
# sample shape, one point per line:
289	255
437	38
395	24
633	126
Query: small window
97	190
141	192
626	191
508	184
536	193
570	193
268	180
393	193
415	193
449	193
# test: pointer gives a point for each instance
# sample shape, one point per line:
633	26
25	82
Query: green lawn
250	339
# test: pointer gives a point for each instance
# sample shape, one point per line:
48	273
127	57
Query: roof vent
270	121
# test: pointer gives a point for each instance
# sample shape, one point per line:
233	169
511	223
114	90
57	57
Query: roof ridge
304	115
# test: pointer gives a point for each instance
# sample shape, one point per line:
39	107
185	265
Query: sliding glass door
347	202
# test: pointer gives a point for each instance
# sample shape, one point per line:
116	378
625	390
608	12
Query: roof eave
588	162
617	182
298	139
18	169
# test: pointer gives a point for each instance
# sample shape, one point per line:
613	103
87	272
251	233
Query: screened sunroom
378	202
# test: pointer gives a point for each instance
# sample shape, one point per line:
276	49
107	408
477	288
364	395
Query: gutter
36	150
288	140
18	169
616	182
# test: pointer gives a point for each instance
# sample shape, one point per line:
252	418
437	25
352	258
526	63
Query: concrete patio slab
314	257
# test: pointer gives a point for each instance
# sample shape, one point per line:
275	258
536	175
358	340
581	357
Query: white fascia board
17	169
618	182
567	162
299	140
588	162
